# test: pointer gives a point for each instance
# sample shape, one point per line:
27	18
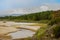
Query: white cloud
44	8
54	6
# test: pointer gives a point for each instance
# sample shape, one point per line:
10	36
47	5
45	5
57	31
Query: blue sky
14	4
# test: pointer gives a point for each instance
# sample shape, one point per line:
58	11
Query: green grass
41	31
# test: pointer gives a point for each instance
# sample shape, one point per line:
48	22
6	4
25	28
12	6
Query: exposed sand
11	27
21	25
5	30
8	27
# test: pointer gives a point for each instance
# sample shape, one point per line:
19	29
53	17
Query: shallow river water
23	33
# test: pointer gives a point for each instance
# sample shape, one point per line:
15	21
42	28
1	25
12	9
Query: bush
52	22
56	31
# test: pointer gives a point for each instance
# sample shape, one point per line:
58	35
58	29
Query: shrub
52	22
56	31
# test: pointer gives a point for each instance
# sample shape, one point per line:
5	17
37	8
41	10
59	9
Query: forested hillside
30	17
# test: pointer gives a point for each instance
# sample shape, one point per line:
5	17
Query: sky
14	4
36	5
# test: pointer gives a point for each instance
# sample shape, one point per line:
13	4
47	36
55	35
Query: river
23	33
24	30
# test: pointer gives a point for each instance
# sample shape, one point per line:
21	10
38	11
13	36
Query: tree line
46	15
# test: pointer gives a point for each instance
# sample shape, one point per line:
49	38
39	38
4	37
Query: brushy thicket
56	20
56	31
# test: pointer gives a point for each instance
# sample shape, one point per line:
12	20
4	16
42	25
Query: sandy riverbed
12	29
21	25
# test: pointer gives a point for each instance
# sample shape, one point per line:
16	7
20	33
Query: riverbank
10	27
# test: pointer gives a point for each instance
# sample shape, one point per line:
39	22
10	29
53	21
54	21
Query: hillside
53	30
46	15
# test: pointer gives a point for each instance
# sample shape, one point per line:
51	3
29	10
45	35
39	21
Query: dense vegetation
53	30
30	17
56	18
